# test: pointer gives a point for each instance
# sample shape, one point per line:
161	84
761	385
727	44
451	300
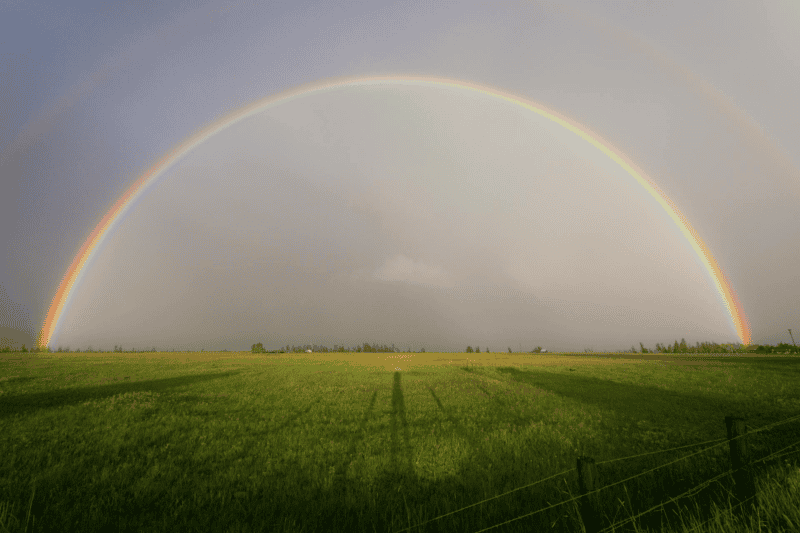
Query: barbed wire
598	490
731	509
490	499
660	451
689	492
717	441
697	488
754	496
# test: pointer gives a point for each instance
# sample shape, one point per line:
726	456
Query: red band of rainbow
92	243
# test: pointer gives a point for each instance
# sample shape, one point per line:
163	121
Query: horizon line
91	245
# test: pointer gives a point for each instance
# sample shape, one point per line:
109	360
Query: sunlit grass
346	442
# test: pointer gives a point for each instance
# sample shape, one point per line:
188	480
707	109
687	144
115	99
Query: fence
742	469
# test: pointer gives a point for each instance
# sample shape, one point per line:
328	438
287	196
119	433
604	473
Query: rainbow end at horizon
95	239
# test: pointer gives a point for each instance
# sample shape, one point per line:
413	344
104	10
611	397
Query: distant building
308	351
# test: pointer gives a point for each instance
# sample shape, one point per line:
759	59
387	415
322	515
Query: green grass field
384	442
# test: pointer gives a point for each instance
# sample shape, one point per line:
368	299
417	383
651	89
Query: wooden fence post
587	482
740	458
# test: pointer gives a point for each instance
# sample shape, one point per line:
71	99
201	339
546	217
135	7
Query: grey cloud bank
419	216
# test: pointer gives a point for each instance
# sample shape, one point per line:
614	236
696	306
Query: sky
422	215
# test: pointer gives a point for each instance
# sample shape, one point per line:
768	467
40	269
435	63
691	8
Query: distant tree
676	348
644	350
683	347
258	348
24	349
469	349
509	349
477	349
423	350
785	347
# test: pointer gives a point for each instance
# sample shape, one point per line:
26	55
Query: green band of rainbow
92	243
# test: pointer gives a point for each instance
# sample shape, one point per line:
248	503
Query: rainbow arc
95	239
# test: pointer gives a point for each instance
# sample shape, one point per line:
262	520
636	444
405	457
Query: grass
345	442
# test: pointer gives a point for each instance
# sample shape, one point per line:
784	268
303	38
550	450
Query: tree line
676	348
713	347
363	348
47	349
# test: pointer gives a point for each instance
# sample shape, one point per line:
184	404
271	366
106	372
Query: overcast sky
416	215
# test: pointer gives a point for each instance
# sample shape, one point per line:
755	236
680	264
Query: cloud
401	268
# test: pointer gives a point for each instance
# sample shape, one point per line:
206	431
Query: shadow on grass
19	379
779	364
670	412
625	398
187	497
12	404
670	408
183	497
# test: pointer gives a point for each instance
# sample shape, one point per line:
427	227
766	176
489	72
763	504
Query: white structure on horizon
308	351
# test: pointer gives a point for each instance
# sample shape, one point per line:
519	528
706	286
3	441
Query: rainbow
93	242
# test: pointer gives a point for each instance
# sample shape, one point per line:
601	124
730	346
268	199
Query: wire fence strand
698	487
731	509
718	442
597	490
659	451
490	499
775	454
689	492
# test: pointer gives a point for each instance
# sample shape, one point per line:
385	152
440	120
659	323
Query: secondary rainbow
95	239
